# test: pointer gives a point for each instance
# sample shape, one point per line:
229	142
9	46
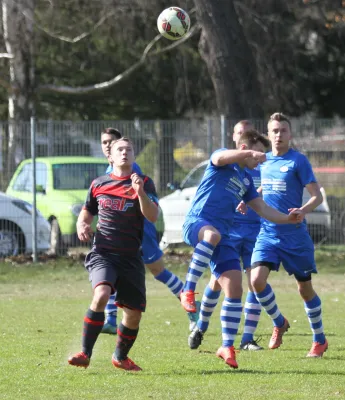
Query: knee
156	267
257	284
212	237
132	319
100	299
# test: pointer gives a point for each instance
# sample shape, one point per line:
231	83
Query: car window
194	177
20	183
41	175
76	176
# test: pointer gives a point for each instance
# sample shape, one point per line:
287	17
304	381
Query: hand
137	183
258	156
296	215
242	208
84	232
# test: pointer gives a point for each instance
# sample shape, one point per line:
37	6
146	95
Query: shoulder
137	169
298	156
101	180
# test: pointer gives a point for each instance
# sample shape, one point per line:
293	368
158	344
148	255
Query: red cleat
277	335
187	299
126	364
228	354
79	360
317	349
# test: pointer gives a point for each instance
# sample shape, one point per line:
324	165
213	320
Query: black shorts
124	274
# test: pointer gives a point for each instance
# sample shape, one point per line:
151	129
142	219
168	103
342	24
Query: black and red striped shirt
120	220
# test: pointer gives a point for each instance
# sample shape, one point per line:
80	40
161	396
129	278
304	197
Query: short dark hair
280	117
252	137
125	139
113	132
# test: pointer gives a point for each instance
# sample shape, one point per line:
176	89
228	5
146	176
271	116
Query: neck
280	152
122	171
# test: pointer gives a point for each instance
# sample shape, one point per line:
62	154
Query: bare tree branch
123	75
79	37
60	37
6	55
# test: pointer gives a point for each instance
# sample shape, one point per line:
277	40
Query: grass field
41	312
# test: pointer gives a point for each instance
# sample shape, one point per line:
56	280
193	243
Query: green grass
41	312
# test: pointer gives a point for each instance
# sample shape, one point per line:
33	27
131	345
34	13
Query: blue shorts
294	251
243	238
150	246
224	258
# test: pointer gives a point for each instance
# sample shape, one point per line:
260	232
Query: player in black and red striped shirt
121	200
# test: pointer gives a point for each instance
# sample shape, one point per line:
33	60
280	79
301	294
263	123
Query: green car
61	186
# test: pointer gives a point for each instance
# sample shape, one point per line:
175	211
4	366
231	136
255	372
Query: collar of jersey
119	178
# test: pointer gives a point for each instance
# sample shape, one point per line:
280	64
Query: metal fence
166	150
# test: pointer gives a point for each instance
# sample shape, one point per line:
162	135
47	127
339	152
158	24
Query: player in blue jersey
208	223
243	234
283	178
152	254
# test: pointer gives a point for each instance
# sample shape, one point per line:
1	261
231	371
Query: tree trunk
18	17
229	59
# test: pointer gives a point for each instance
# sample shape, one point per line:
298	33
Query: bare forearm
230	157
312	203
267	212
85	217
148	208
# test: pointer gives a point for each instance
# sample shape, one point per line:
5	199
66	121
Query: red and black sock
93	324
125	340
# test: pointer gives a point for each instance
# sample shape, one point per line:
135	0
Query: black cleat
195	338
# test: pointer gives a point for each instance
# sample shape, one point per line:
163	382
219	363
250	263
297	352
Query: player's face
122	154
279	134
106	140
239	129
250	162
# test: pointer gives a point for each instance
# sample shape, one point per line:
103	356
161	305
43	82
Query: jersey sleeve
137	169
305	171
150	190
252	192
91	204
217	151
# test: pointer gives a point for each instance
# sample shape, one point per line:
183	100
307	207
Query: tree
229	59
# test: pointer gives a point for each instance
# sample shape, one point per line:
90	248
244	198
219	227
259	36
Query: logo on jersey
246	181
284	168
115	204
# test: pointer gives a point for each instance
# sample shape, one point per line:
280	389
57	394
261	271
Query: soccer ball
173	23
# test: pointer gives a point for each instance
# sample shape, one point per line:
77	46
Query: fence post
223	130
34	210
209	136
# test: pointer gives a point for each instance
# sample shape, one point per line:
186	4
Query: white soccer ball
173	23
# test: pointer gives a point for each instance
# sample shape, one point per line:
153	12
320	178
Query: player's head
108	135
252	140
240	128
122	152
279	132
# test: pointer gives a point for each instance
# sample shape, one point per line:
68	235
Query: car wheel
12	240
57	246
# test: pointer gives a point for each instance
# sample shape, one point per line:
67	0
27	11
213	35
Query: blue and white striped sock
200	260
313	310
111	311
252	311
208	304
171	280
267	299
230	317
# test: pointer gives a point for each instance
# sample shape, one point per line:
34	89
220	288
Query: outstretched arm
273	215
225	157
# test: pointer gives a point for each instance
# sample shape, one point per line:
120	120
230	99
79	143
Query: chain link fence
69	156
